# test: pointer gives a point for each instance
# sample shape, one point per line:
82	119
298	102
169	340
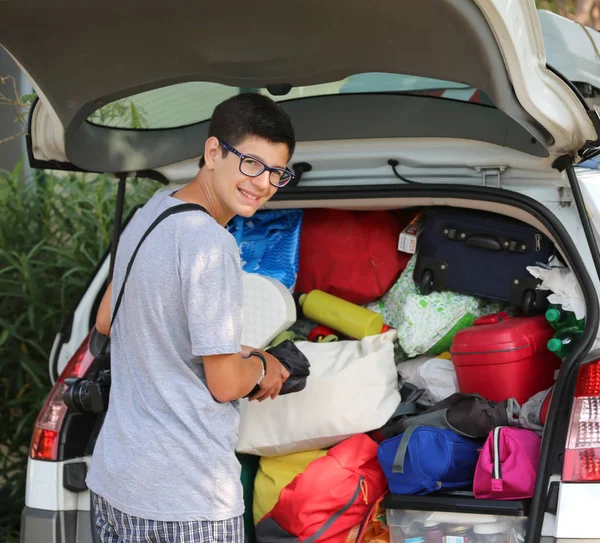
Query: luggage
504	357
352	388
468	415
508	465
481	254
269	243
274	474
435	459
332	496
351	254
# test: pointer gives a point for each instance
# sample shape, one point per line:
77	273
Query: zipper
360	489
497	484
497	467
538	242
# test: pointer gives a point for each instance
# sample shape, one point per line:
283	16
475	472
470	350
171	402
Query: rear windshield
189	103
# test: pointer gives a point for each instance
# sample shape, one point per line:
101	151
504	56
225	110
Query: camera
88	395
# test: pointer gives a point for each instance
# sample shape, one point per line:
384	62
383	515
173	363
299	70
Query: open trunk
461	506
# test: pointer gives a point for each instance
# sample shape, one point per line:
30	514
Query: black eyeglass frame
284	171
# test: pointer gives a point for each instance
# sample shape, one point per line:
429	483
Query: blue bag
427	460
269	243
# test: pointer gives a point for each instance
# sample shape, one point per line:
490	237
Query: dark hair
251	114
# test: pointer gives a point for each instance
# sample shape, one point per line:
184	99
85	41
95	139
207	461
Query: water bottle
562	343
433	532
350	319
561	319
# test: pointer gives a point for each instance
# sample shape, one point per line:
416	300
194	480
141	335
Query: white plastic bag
427	324
435	375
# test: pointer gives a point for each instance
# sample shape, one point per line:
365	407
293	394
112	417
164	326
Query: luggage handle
495	318
484	242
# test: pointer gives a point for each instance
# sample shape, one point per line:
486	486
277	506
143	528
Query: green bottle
562	320
562	343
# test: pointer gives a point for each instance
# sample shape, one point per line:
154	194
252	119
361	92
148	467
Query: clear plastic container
456	527
495	532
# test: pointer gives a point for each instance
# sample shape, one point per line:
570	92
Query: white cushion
269	309
352	388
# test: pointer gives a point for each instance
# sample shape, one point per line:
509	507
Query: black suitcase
482	254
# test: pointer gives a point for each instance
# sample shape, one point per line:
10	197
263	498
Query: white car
480	122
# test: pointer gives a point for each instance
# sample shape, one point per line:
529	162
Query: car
395	105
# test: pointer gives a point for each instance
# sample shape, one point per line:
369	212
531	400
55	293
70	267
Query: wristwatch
261	357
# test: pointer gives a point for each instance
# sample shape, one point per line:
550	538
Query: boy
164	466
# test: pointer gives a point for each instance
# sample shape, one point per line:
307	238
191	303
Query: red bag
503	357
351	254
334	494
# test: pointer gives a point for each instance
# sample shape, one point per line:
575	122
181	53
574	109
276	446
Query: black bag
481	254
295	362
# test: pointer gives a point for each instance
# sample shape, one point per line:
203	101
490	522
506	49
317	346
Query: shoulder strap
410	394
435	419
436	416
167	213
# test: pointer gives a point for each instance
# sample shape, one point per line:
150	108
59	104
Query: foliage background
53	231
586	12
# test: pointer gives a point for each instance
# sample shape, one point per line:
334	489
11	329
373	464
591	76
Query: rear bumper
42	526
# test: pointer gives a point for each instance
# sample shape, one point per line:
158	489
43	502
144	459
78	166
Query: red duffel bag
351	254
333	495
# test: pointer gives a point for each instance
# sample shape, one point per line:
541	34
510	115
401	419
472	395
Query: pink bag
507	465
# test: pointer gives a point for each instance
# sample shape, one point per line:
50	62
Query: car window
189	103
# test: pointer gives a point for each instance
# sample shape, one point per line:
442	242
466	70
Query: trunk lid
201	53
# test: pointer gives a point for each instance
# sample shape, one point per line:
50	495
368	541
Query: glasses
253	167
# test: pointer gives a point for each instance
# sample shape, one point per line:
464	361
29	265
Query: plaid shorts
114	526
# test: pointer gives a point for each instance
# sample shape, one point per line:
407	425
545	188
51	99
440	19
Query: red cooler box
502	357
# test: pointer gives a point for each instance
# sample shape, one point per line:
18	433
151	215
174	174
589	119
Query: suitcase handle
495	318
484	242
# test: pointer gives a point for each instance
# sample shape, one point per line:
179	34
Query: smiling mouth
248	195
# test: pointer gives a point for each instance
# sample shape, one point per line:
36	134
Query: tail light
582	455
46	432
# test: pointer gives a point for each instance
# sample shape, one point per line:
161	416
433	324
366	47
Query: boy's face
241	194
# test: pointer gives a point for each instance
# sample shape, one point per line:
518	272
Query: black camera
83	395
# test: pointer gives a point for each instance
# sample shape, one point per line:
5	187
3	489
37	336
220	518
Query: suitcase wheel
528	306
426	282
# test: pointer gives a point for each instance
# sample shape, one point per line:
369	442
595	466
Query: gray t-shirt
166	449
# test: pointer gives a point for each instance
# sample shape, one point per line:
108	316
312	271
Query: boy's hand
272	382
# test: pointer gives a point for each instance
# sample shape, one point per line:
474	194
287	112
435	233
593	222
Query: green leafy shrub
53	232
